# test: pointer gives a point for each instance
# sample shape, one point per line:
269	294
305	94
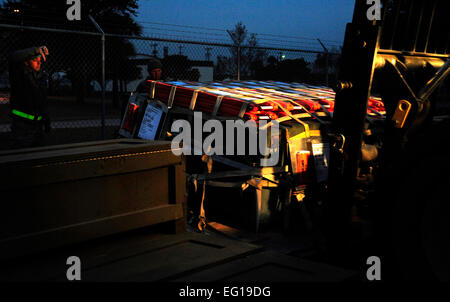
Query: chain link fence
74	73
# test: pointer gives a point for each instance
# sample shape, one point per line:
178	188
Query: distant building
141	61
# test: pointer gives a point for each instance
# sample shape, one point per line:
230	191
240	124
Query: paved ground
147	255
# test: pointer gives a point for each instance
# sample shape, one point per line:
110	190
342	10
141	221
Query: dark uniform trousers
27	134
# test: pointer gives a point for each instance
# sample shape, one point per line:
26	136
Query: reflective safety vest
26	115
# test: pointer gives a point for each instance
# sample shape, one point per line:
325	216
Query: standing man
28	98
154	68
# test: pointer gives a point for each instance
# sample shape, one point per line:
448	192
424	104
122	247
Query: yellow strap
152	89
310	113
294	118
202	217
193	99
312	133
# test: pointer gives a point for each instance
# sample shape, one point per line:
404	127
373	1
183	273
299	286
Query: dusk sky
275	21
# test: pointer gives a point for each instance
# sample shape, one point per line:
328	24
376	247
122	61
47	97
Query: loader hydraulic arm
404	57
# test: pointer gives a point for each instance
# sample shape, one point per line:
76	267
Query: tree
244	53
327	63
179	67
225	68
238	36
295	70
253	58
268	71
79	55
333	57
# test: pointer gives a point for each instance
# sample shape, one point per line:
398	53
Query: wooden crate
59	195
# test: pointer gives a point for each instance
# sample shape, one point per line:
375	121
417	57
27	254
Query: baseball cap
153	63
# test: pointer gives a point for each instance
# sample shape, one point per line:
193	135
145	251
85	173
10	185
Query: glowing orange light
272	115
251	116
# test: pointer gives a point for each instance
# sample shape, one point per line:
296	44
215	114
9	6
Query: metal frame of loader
408	52
236	173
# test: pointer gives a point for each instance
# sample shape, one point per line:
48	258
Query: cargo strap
26	115
309	112
326	110
202	217
217	105
193	99
152	89
243	110
305	125
171	96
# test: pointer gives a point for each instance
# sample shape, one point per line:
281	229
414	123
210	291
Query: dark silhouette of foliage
179	67
251	57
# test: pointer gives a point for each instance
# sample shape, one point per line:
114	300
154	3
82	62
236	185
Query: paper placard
321	153
150	122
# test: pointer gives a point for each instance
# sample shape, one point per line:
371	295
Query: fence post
237	43
239	62
326	61
103	74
